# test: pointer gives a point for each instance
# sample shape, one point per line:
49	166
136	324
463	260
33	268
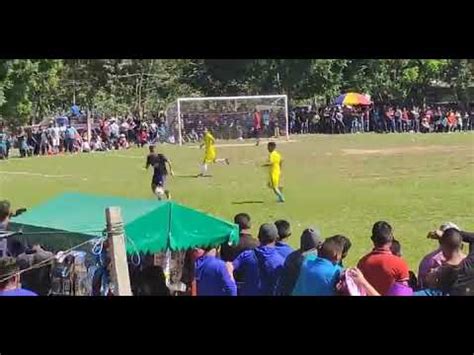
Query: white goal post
274	105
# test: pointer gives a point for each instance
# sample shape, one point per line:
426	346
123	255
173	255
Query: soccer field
341	184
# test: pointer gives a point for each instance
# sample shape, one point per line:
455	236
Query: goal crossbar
223	98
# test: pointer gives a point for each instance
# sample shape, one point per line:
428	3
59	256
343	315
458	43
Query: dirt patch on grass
405	150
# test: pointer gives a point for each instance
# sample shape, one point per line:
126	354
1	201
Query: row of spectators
262	266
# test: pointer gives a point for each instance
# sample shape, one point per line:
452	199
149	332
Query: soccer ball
160	192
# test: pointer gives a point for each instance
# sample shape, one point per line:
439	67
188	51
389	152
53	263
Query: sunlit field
341	184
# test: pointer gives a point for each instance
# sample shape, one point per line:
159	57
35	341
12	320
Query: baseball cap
310	239
268	233
448	225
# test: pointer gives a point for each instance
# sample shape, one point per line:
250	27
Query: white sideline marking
126	156
27	173
243	144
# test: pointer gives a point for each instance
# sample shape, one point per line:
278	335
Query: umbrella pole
119	274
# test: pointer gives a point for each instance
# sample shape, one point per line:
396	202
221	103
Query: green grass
415	182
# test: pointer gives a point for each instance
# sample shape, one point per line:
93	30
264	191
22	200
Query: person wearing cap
212	276
320	274
310	241
435	259
261	267
284	232
10	279
380	267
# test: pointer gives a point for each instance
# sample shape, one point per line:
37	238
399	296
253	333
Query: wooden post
118	255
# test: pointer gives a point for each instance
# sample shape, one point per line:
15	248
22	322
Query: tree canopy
32	89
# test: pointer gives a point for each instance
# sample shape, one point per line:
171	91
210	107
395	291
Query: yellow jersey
275	161
209	140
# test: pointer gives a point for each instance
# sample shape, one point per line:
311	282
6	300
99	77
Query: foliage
30	90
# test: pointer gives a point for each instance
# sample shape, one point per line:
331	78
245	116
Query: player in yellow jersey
210	155
274	162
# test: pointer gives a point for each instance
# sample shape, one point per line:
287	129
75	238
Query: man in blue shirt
284	232
320	274
309	243
70	136
261	267
212	276
11	286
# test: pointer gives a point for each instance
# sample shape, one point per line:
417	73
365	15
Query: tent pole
117	252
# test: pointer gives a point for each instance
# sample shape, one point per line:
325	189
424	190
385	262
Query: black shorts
158	180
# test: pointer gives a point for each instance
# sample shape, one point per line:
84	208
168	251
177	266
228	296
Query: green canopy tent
150	225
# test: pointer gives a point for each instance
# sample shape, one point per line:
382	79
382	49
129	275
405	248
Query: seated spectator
86	148
284	232
10	279
310	241
320	274
212	276
261	267
380	267
122	142
246	241
435	259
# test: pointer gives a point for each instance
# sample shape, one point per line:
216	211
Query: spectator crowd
124	132
262	266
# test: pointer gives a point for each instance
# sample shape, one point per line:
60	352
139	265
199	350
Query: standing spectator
44	143
380	267
3	144
5	212
257	125
10	279
396	249
310	241
284	232
390	120
466	122
405	120
319	275
398	119
459	121
70	136
346	246
212	276
266	121
55	138
261	267
415	119
459	280
452	121
435	259
246	241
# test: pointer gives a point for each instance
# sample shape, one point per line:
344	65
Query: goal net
228	117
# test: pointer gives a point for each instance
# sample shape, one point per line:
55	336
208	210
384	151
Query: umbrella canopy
150	225
352	99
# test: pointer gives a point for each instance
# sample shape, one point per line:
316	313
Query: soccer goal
229	117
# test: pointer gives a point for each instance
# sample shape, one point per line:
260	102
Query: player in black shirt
158	162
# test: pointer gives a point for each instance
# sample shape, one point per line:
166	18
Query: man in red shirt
257	124
380	267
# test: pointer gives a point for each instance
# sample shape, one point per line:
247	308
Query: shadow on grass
245	202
